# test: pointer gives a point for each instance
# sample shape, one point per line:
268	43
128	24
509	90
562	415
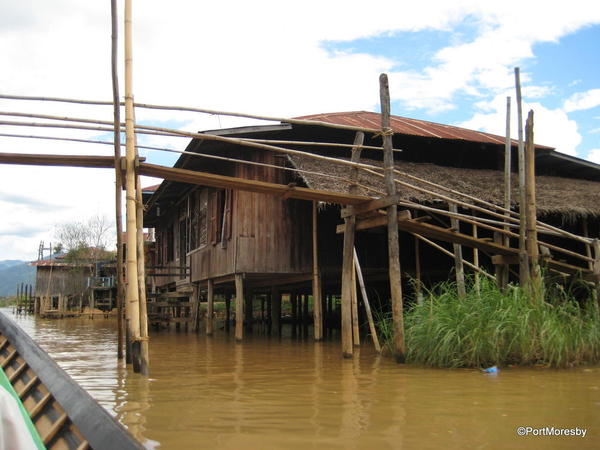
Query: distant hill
12	273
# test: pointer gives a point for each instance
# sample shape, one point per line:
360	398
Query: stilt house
206	235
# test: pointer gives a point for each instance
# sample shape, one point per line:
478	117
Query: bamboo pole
458	256
210	298
355	327
132	294
418	281
363	291
523	259
532	241
118	182
239	307
139	206
316	278
476	262
347	270
392	229
596	267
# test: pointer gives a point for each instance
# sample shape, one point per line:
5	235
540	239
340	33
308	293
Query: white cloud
583	100
594	155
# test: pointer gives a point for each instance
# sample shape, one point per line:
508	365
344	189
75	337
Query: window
197	220
220	216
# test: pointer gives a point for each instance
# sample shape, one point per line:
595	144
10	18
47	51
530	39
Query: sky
447	62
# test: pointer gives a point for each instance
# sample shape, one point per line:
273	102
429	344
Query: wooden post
249	310
239	307
348	269
523	260
392	216
458	256
269	299
276	310
532	242
316	280
293	301
195	307
363	290
118	180
227	311
305	319
210	298
501	269
139	206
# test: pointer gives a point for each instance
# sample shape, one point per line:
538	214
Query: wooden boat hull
64	415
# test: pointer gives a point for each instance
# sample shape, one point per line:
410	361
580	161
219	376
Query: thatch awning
569	197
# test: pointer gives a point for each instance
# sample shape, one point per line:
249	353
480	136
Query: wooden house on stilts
252	246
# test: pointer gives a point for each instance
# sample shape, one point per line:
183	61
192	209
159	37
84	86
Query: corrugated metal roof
412	127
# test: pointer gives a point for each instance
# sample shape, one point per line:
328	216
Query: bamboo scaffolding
374	170
523	259
118	181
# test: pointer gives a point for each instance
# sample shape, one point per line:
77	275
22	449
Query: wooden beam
505	259
532	240
225	182
100	162
363	208
376	221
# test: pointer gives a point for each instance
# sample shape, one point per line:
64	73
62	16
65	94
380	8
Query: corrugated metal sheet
412	127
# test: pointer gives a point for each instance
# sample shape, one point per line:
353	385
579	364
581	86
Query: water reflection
271	393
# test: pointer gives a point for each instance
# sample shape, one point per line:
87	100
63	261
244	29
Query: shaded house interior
203	233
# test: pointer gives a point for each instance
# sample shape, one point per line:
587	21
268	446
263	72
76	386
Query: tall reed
494	327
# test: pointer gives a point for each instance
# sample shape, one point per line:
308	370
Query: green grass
502	328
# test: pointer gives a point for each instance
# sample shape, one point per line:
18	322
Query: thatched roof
566	196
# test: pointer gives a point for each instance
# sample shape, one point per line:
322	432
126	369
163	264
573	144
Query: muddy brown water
284	394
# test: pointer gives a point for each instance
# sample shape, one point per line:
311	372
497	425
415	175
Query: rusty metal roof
412	127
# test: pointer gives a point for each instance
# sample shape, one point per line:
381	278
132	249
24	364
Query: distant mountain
13	273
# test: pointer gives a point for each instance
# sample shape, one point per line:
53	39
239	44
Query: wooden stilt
239	307
532	241
293	301
227	311
276	310
392	216
458	256
269	317
210	298
249	310
305	320
523	259
195	307
348	269
363	290
316	281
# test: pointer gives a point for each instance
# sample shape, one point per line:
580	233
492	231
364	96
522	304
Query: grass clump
491	327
